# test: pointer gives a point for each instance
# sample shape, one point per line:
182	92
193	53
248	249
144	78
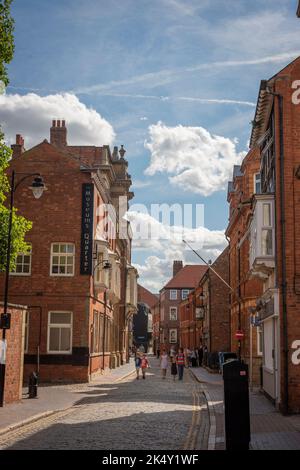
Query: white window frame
185	290
173	294
255	182
170	336
59	325
52	254
170	317
25	253
267	228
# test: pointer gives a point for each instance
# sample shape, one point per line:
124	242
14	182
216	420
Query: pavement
270	430
52	399
150	414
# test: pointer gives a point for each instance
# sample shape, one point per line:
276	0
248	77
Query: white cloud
198	161
168	245
31	115
143	118
141	184
165	76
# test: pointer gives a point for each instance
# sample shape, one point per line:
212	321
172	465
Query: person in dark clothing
158	353
200	355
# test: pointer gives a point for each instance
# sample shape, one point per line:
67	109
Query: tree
6	38
20	225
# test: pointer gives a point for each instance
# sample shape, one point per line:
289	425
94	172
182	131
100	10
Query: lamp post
37	187
106	266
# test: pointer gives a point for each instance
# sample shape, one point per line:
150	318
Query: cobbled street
139	414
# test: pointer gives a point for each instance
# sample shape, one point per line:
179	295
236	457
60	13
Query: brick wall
14	356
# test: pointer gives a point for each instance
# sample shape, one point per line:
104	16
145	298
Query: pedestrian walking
180	360
144	365
158	352
137	365
193	358
200	355
188	357
174	368
172	352
164	363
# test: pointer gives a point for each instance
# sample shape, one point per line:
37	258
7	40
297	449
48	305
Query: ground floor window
60	332
173	336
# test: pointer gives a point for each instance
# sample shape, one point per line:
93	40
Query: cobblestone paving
149	414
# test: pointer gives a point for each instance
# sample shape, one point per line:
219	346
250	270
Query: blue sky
138	63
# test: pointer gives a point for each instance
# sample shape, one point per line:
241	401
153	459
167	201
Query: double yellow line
191	439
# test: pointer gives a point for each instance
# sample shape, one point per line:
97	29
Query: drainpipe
283	258
229	294
104	330
239	300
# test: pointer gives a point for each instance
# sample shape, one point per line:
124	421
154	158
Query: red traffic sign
239	334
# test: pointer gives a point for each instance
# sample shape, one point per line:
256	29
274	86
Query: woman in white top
164	360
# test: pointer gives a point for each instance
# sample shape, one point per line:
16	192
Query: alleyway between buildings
145	414
151	414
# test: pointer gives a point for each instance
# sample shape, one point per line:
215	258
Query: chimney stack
18	147
58	133
177	266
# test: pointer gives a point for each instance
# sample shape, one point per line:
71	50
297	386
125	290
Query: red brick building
205	314
16	338
274	233
184	280
77	278
191	320
246	290
215	306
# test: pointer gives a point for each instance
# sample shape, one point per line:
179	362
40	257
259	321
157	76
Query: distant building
184	280
143	320
298	10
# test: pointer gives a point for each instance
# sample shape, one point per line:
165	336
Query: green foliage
6	38
20	225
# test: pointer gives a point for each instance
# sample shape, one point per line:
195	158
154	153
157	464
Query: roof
188	277
264	104
146	297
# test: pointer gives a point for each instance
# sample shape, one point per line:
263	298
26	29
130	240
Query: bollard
236	403
33	385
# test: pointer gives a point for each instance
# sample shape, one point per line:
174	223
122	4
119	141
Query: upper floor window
23	264
60	332
173	313
267	231
173	294
62	259
173	336
184	293
257	183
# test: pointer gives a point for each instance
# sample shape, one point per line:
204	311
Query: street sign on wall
239	335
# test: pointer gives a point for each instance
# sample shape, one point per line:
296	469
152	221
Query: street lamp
37	187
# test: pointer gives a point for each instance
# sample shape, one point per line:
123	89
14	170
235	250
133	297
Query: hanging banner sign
86	257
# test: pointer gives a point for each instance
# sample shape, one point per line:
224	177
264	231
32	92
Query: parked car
225	357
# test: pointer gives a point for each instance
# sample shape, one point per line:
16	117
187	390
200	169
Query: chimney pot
18	147
177	266
58	134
